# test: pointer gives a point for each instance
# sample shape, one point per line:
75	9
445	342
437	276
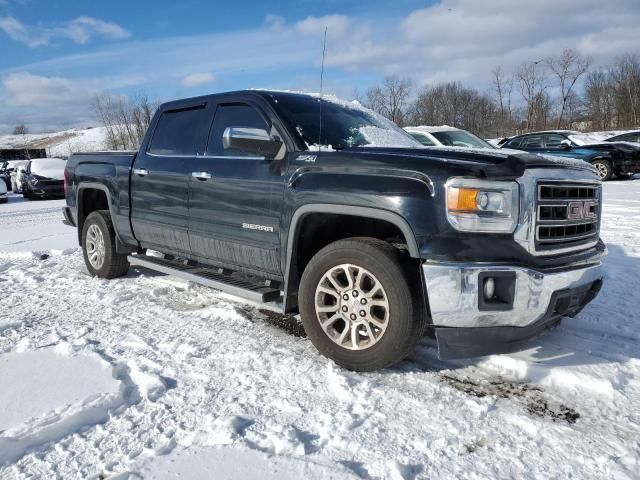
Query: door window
553	140
534	141
233	115
180	132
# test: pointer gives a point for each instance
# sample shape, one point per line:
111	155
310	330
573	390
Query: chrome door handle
141	171
201	175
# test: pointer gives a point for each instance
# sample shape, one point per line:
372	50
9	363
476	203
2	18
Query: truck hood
490	163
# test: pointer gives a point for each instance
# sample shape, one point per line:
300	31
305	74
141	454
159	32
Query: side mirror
251	140
565	144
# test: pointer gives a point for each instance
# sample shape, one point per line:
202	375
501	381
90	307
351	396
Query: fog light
489	288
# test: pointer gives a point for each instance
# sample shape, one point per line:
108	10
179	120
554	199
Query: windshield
584	139
460	138
344	124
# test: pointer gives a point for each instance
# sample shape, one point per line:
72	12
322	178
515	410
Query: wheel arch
294	263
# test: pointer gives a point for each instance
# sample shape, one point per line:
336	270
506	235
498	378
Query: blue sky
56	55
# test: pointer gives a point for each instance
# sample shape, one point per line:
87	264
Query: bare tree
125	119
453	104
20	129
567	67
391	98
625	76
503	87
532	80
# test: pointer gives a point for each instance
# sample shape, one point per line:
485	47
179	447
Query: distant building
21	153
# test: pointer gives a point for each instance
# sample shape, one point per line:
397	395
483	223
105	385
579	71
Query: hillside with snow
59	144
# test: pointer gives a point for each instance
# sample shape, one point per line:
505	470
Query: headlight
482	205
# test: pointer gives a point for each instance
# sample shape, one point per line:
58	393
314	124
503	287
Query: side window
232	115
423	139
180	132
534	141
514	143
553	140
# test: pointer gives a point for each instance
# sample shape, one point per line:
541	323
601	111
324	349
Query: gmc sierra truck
324	208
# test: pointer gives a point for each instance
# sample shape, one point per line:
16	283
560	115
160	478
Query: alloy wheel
352	307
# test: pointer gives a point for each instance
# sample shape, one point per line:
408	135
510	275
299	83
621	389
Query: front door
160	179
236	198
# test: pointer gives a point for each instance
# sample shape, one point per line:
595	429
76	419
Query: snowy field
152	377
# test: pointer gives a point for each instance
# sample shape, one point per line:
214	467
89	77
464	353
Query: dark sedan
633	137
609	158
43	177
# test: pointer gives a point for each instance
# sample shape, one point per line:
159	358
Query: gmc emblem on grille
581	210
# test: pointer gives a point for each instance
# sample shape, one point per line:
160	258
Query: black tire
26	193
406	318
624	176
114	264
603	168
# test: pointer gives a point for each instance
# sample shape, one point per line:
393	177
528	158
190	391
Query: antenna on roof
324	48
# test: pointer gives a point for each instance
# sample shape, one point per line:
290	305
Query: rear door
160	178
236	198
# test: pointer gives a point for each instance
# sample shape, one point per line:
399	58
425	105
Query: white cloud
274	22
83	28
197	79
79	30
25	89
336	25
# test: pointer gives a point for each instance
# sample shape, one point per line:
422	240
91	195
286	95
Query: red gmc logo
581	210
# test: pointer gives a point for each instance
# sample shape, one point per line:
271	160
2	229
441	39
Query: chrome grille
567	214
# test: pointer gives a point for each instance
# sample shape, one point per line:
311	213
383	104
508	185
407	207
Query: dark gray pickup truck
322	207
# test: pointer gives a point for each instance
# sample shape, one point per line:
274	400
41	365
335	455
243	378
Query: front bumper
468	326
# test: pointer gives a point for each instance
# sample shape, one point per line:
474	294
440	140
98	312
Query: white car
3	192
445	136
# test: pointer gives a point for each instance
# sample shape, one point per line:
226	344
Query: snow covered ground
59	144
148	376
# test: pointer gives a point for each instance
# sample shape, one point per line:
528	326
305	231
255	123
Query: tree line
562	91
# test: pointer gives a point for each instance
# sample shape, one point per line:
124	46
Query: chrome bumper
453	290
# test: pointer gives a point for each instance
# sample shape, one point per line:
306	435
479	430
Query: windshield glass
460	138
584	139
344	124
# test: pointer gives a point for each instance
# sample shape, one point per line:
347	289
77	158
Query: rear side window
232	115
180	132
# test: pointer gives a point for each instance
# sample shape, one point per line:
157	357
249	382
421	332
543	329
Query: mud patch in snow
534	398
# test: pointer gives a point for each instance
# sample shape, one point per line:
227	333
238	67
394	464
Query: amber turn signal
461	199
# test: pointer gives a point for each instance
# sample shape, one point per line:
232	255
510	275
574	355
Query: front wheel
99	247
603	168
358	305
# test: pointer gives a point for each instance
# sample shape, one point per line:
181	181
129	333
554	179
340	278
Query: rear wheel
358	306
603	168
99	247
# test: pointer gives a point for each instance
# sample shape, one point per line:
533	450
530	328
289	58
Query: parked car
633	137
4	198
608	158
446	136
5	175
348	221
42	177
